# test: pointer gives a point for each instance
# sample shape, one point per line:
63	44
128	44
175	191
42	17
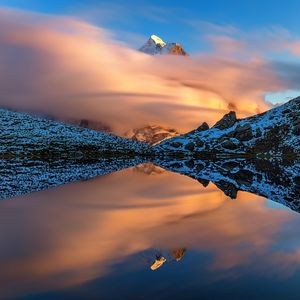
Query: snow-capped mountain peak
155	45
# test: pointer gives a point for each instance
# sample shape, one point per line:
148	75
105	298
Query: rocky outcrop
204	126
273	133
174	49
227	121
243	132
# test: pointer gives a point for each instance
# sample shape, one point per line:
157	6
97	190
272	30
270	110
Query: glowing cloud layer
70	69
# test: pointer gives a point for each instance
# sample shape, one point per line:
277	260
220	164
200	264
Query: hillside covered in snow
273	133
24	135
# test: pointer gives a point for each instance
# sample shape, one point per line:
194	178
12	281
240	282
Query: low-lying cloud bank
70	69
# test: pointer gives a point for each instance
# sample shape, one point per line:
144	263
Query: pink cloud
227	45
71	69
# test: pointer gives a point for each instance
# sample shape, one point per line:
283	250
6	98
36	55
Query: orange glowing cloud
70	69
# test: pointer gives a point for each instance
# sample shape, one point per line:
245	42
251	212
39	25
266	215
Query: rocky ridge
273	133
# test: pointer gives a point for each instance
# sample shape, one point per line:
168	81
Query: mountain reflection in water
101	238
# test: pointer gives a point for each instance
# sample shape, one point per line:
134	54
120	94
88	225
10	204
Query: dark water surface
146	233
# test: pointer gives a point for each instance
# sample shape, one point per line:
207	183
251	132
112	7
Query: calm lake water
145	233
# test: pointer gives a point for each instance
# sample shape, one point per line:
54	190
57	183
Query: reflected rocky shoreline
25	175
277	180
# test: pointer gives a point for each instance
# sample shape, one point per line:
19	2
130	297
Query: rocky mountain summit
155	46
151	134
273	133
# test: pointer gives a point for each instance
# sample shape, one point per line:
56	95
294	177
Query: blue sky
172	19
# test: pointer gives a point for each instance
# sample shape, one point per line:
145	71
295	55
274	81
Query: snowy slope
24	135
275	132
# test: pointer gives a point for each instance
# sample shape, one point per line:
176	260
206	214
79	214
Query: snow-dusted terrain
273	133
38	153
24	135
218	154
155	46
